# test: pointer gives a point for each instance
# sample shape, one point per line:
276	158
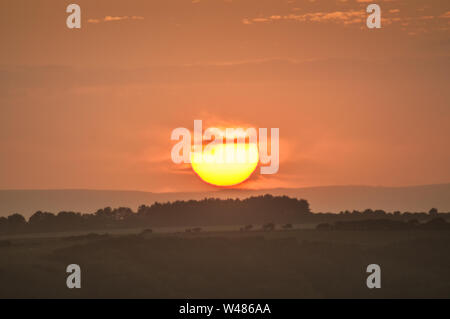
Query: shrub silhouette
268	227
436	224
323	226
5	243
146	231
246	228
90	236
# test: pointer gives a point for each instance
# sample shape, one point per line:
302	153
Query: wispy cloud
411	24
115	18
345	17
446	15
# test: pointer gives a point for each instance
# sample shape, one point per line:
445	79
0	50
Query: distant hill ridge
321	199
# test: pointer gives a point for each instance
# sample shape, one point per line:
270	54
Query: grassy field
225	263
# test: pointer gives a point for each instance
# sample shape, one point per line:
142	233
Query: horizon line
219	189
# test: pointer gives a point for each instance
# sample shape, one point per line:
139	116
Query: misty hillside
321	199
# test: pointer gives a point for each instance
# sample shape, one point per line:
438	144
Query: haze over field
321	199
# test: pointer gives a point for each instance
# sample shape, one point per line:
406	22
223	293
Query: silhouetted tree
3	224
433	212
16	222
42	221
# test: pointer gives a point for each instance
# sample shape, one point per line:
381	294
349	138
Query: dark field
255	264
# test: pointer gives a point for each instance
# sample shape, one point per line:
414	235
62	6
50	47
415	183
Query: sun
226	164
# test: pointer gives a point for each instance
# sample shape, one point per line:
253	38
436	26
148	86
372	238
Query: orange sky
94	108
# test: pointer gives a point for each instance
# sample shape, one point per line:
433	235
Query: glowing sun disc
226	164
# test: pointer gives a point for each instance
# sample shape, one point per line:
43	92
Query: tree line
209	211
